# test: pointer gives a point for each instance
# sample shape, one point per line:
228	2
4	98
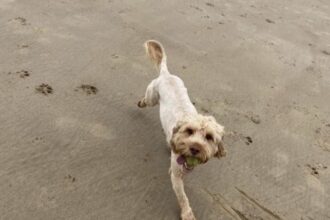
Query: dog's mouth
188	162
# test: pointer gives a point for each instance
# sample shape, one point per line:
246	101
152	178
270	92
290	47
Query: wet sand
74	145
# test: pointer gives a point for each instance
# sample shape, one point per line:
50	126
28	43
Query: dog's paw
188	215
141	104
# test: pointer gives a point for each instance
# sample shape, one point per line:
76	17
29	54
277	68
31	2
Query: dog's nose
194	151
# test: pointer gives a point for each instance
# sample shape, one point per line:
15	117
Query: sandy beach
74	145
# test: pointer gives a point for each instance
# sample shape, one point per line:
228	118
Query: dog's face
198	136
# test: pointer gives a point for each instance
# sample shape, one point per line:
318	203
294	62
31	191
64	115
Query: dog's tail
155	51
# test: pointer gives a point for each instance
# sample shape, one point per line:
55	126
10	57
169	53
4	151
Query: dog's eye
189	131
209	137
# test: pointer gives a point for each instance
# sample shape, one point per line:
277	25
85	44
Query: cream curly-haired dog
188	133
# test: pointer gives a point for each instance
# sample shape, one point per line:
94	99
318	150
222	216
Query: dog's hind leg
151	98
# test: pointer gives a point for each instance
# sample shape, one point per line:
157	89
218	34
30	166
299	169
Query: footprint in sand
315	169
22	73
20	20
87	89
44	89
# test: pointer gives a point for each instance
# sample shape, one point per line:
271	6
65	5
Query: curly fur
187	132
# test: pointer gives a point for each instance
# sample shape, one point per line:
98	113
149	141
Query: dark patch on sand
326	52
269	21
23	73
205	110
196	7
316	168
38	140
21	20
209	4
87	89
255	119
318	131
70	178
22	46
44	89
248	140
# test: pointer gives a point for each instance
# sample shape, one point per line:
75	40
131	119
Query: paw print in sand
20	20
23	73
87	89
44	89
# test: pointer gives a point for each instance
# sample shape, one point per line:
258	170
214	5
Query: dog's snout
194	150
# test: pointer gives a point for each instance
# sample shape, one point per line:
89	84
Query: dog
188	133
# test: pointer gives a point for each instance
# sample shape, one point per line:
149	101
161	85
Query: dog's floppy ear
174	136
178	125
221	150
172	140
176	128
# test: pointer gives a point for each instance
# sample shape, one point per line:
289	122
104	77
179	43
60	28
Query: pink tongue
181	160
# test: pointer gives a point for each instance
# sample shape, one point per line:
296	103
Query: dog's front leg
178	187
